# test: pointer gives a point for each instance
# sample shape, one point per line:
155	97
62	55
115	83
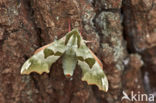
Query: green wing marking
42	61
92	72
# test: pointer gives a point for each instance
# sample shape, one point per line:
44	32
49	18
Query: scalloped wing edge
26	66
104	82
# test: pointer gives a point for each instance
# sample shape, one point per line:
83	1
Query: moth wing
44	57
92	69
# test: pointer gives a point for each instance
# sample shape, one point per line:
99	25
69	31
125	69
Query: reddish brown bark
26	25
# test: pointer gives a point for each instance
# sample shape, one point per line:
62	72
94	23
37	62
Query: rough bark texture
123	35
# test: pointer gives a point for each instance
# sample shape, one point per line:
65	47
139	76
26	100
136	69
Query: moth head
73	38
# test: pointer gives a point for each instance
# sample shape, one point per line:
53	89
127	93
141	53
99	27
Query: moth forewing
94	75
44	57
92	67
34	64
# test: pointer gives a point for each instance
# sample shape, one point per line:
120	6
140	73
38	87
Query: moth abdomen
69	62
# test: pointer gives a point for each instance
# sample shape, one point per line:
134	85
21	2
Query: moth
73	50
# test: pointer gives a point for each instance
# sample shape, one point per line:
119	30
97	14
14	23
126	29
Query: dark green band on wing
90	62
78	40
58	53
80	58
48	52
68	37
76	34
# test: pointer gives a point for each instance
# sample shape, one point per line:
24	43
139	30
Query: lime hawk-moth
73	50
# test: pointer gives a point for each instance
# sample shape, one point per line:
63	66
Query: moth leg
86	41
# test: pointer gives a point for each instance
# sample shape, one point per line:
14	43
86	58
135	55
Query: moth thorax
70	51
73	41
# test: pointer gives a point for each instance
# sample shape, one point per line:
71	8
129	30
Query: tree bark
123	35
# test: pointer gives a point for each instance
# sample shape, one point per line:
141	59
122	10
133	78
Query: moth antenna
69	25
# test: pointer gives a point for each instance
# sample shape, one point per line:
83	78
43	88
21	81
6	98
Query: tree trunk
123	35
